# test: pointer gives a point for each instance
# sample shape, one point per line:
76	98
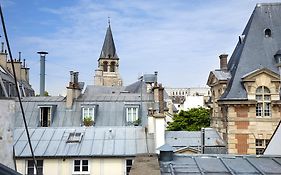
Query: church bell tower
107	73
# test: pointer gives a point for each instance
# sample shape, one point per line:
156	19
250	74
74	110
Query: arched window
105	67
263	107
112	67
267	33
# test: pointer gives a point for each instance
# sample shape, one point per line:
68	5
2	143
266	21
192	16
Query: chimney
3	57
155	80
25	72
73	89
223	62
42	71
2	47
17	65
159	129
161	99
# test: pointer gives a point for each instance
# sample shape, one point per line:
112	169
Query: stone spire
108	48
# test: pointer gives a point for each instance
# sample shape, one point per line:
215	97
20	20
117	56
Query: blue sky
181	39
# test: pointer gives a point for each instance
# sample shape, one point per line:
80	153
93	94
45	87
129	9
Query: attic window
74	137
267	33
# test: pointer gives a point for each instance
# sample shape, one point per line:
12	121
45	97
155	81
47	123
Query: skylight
74	137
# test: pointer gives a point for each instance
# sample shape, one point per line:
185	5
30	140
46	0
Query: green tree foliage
46	93
191	120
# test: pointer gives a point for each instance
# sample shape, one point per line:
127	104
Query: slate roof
108	48
7	82
110	103
221	164
255	50
4	170
221	75
96	141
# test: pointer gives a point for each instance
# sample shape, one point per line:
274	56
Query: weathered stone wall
7	111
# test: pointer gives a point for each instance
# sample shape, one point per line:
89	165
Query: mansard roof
111	103
108	48
255	49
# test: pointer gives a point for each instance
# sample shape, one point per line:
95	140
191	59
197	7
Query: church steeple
107	73
108	48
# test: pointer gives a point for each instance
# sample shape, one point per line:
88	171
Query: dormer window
132	115
263	107
46	115
267	33
88	115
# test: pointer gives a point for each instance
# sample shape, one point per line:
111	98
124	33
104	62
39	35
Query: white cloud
180	39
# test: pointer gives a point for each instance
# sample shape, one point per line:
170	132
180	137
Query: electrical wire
16	83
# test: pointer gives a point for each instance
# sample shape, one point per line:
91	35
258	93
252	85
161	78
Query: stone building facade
107	73
246	91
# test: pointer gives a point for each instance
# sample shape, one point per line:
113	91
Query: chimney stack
161	99
42	71
73	90
2	47
223	62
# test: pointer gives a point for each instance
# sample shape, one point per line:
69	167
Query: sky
181	39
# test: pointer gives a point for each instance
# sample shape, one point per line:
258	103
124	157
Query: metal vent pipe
42	71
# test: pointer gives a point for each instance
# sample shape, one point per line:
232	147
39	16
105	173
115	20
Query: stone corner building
107	73
246	106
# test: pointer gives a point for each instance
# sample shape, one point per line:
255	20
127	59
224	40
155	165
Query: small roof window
267	32
74	137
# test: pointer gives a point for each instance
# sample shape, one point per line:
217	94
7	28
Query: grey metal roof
180	139
221	164
256	50
110	103
274	148
96	141
108	48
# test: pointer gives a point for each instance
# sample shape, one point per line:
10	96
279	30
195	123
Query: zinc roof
96	141
110	107
179	139
221	164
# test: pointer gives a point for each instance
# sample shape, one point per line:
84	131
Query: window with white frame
129	164
260	145
31	170
81	166
132	115
88	112
263	107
